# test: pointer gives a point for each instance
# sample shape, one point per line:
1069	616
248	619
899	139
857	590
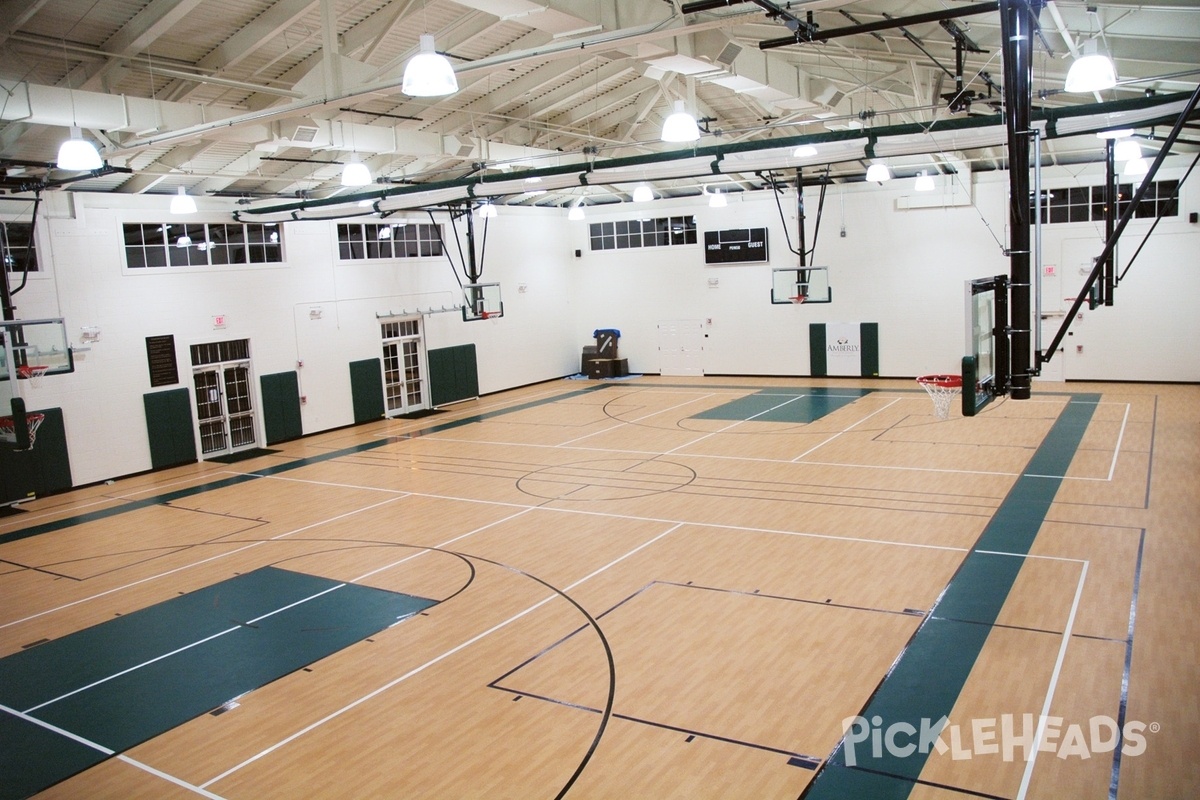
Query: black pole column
803	248
474	294
1016	33
1110	221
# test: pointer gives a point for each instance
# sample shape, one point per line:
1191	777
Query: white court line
181	649
366	575
1112	468
102	749
1062	652
734	425
196	563
622	423
839	433
428	664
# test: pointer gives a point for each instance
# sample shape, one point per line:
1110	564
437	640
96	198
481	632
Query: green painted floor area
927	680
122	682
785	405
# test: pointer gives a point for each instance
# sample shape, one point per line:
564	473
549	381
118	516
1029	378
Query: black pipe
37	201
802	248
916	19
1110	220
1017	41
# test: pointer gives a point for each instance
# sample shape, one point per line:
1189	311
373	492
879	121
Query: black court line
804	760
278	469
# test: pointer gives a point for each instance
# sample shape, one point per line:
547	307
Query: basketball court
641	588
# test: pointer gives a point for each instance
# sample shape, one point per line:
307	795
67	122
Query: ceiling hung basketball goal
30	349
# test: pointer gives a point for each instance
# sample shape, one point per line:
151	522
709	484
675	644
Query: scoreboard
735	246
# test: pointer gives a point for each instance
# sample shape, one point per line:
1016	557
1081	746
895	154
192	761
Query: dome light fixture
355	173
78	154
680	126
183	203
1127	150
879	172
1091	71
428	73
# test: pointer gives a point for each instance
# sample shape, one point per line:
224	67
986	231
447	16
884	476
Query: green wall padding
816	349
453	374
869	355
281	406
366	389
44	469
169	428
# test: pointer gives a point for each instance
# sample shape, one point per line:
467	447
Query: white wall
903	269
84	280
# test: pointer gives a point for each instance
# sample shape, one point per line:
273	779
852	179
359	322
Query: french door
225	412
405	386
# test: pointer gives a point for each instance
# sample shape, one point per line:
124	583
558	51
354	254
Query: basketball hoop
32	373
8	431
942	389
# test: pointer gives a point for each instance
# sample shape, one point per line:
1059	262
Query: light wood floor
640	601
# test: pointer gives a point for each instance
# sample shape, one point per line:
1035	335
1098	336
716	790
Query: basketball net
32	373
8	431
942	390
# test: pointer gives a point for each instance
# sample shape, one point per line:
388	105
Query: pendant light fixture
355	173
428	73
924	182
78	154
804	151
1126	150
575	214
1091	71
642	194
487	210
879	172
717	199
680	126
182	202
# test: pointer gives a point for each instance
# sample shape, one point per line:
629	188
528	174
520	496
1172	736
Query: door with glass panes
404	379
224	400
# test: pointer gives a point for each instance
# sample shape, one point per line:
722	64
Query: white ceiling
264	98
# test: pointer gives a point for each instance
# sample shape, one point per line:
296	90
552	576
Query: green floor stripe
791	405
925	683
128	680
33	758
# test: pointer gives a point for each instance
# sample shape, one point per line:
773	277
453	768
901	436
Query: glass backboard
29	346
800	285
481	301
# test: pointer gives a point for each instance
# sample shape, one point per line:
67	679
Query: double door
225	410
